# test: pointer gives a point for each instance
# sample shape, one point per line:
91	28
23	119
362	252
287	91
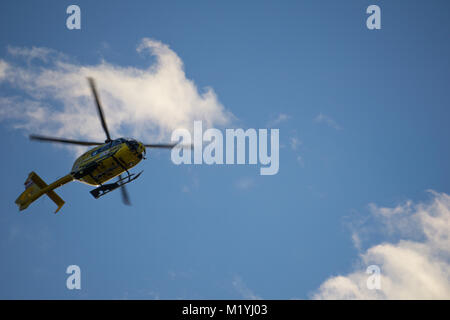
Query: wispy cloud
281	117
192	183
245	183
294	142
322	118
3	66
300	161
145	103
243	290
39	53
415	267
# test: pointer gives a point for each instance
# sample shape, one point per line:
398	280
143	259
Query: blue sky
363	118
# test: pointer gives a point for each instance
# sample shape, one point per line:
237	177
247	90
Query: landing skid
107	188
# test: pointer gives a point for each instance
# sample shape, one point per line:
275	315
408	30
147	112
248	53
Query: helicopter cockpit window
107	146
100	150
115	143
131	143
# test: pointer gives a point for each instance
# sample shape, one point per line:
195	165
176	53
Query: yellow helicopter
95	167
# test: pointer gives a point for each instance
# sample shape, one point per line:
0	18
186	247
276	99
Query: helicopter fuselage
107	161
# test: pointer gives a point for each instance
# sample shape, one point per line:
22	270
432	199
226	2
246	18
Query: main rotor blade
62	140
167	145
161	145
99	108
124	192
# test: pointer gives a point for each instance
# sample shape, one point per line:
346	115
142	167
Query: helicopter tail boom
36	187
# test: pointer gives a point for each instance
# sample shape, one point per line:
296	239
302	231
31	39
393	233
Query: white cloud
3	67
28	114
33	53
144	103
415	267
282	117
245	183
243	290
191	184
294	143
322	118
300	161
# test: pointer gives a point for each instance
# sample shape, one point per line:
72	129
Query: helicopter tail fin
36	187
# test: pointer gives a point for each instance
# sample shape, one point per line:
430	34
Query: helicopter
109	159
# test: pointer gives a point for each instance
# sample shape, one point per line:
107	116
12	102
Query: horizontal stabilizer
36	187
